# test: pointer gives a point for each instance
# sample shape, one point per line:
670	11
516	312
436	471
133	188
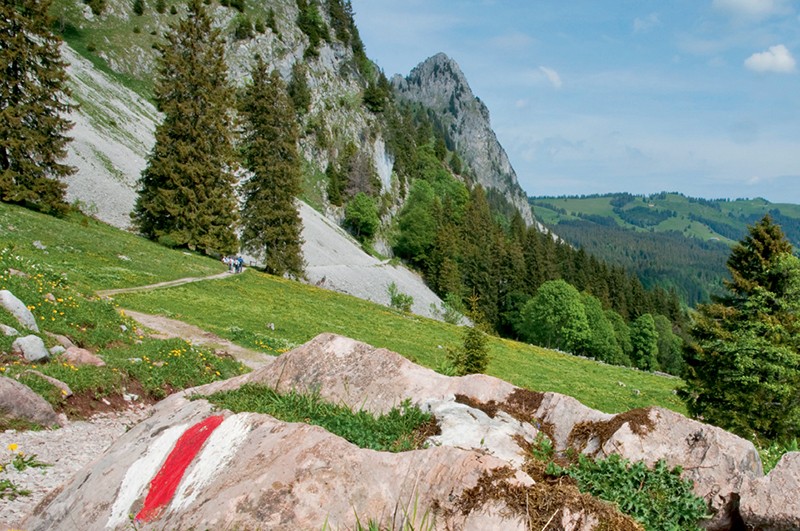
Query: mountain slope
439	84
667	239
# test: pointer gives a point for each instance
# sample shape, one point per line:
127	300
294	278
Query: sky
700	97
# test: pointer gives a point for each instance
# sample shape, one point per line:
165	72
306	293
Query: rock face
18	309
439	84
772	503
717	461
18	401
264	473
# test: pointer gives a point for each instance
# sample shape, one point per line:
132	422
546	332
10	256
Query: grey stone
18	401
57	350
31	348
18	309
8	331
772	503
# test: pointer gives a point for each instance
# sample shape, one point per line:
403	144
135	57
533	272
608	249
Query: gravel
67	449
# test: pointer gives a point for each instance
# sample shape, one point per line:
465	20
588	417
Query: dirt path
106	293
166	328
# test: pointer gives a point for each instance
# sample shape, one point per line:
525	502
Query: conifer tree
743	366
271	223
186	196
33	96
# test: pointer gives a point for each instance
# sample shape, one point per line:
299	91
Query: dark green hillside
667	239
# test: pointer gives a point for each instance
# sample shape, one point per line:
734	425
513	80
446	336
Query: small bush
657	497
399	301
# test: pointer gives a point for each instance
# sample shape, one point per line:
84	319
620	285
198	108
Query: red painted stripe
164	484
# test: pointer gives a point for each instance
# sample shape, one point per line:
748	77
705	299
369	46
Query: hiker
239	264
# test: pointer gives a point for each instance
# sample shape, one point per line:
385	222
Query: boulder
715	460
251	471
8	331
81	356
31	348
772	503
347	371
19	310
18	401
262	473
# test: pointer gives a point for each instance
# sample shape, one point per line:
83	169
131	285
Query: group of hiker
235	263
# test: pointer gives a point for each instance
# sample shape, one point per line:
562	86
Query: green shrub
657	497
361	217
399	301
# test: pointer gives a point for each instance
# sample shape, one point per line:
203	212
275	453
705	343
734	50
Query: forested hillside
402	177
666	239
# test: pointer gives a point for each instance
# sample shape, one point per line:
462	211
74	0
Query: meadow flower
13	447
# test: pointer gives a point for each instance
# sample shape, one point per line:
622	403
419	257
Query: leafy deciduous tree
32	107
555	317
361	217
644	340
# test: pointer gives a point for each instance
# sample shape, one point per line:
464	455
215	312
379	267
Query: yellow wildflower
13	447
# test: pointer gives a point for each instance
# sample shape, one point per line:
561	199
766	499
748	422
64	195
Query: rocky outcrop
18	401
261	472
81	356
439	84
716	461
772	503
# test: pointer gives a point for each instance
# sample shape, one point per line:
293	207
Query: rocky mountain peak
439	84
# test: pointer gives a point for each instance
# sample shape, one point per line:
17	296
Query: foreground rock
263	473
18	401
772	503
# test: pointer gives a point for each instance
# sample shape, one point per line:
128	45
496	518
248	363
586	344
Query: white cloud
776	59
641	25
552	76
757	9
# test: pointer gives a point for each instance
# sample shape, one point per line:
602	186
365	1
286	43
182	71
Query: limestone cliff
439	84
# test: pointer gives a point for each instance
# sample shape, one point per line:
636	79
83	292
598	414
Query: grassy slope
729	212
239	307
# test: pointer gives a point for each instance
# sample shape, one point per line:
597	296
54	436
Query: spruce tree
271	223
33	97
743	365
186	196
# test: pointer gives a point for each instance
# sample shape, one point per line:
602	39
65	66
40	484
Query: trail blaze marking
164	484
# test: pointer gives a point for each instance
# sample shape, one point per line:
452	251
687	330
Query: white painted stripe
141	473
215	455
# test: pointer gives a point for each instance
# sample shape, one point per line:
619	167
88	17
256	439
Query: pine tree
743	366
271	223
186	196
33	97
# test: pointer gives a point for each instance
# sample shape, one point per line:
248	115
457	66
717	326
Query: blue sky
586	96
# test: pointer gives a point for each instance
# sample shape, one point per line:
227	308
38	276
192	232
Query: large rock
772	503
262	473
31	348
715	460
18	401
19	310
